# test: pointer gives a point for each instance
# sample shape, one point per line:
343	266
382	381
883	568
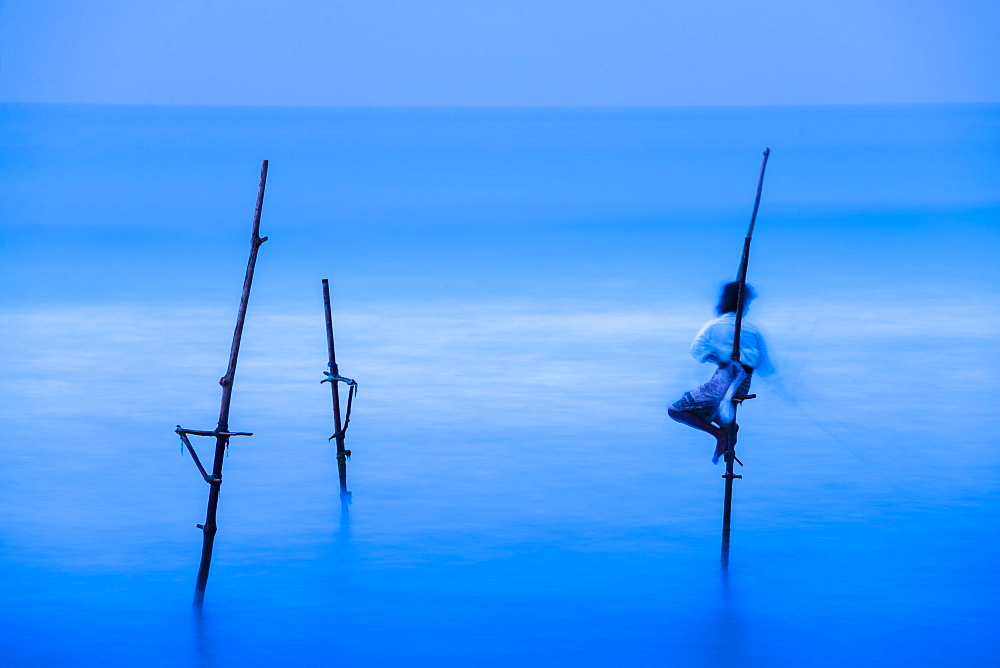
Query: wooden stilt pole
221	432
338	432
730	455
334	378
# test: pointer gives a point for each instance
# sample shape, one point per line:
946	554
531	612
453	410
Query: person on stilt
710	407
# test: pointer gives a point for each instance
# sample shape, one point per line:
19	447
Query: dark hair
730	295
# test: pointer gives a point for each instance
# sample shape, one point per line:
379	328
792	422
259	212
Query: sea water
515	292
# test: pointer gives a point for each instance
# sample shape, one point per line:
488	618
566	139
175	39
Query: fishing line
791	401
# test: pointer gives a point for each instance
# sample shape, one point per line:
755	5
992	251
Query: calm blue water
515	292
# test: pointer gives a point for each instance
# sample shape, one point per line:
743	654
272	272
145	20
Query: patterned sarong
704	401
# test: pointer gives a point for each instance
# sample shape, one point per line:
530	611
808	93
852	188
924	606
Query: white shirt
714	343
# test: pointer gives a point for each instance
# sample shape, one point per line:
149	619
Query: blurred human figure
710	406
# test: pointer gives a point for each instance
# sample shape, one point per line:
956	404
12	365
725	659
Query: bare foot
720	448
722	440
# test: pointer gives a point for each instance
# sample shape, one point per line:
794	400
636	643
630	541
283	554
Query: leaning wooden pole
730	456
222	433
334	376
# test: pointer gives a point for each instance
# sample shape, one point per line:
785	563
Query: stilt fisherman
710	407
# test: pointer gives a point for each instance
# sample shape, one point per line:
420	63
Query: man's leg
722	444
721	434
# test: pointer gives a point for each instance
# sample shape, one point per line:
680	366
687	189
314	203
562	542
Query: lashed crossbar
209	478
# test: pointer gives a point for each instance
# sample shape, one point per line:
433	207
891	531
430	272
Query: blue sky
499	53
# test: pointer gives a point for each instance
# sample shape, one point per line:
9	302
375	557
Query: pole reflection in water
203	647
345	496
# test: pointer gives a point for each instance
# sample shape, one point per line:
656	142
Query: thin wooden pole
334	386
222	434
730	455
